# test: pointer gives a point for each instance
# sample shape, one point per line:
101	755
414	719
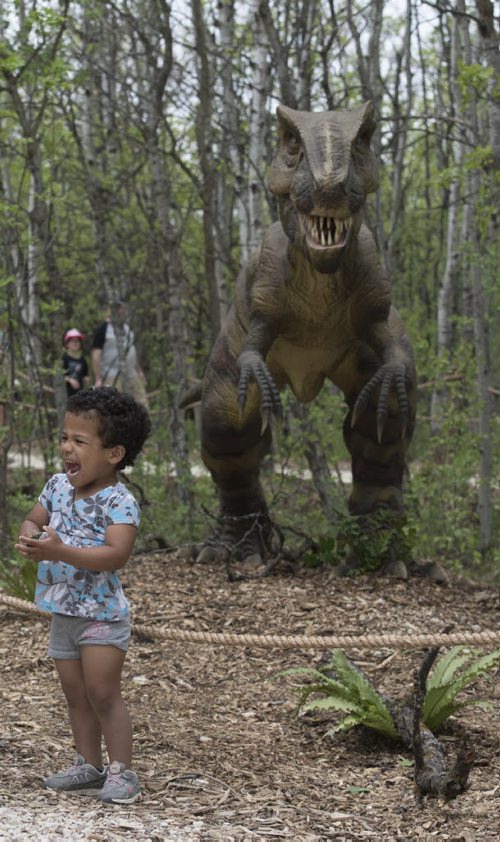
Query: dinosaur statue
312	303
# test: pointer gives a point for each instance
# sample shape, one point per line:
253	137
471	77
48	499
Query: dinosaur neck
304	278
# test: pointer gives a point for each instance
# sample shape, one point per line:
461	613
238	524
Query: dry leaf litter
219	751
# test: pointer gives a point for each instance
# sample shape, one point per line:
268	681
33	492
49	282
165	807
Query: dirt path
218	751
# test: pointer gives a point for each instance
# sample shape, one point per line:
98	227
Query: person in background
126	373
81	532
75	366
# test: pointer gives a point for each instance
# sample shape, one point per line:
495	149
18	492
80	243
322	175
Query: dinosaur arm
378	325
394	375
252	365
264	291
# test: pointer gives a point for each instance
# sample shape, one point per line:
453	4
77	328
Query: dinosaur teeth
326	230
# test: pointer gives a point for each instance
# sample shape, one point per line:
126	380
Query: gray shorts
67	634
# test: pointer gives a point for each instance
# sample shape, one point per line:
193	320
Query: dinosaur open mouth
326	231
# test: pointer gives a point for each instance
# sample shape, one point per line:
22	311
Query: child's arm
34	521
112	555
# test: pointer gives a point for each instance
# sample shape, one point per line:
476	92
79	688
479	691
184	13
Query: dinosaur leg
378	470
233	454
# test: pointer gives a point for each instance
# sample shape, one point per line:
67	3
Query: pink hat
73	334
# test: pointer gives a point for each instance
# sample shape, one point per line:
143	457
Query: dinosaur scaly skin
312	303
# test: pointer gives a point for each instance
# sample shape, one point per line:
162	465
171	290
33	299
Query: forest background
135	137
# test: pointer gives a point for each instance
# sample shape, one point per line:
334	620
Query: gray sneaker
80	778
121	787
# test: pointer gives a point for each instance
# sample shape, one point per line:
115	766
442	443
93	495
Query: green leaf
446	666
330	703
309	689
478	669
435	699
343	725
440	700
306	671
357	790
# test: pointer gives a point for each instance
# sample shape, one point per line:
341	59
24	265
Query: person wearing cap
75	367
111	368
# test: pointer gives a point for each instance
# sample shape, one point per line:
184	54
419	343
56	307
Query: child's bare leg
102	668
85	725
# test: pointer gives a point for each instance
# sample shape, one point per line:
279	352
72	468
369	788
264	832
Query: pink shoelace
73	770
114	778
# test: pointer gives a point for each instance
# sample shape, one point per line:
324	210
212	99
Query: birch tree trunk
230	179
39	251
368	62
6	421
204	142
483	369
257	133
96	135
154	67
403	107
490	44
477	237
28	89
280	51
448	290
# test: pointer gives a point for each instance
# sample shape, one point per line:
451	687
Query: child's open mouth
72	468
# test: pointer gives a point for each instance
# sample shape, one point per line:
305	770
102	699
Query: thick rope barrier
293	641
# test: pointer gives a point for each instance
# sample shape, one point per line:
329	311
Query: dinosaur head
321	173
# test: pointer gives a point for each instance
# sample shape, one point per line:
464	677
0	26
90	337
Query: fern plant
340	686
452	673
349	692
19	578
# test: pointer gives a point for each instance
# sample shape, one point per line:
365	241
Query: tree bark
204	142
448	290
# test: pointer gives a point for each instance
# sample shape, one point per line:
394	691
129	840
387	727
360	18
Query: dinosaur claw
381	419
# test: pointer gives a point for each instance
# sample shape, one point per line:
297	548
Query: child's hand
45	548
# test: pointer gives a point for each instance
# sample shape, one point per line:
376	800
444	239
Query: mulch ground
219	751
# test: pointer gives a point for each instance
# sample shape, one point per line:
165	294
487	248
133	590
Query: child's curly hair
121	419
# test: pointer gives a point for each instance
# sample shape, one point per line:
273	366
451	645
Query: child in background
75	365
89	523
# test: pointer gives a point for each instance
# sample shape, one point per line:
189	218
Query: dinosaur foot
354	565
395	569
244	543
432	570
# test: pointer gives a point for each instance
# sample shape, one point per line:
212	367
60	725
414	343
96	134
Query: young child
89	522
74	364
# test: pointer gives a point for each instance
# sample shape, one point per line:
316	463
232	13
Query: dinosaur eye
292	145
361	142
364	136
